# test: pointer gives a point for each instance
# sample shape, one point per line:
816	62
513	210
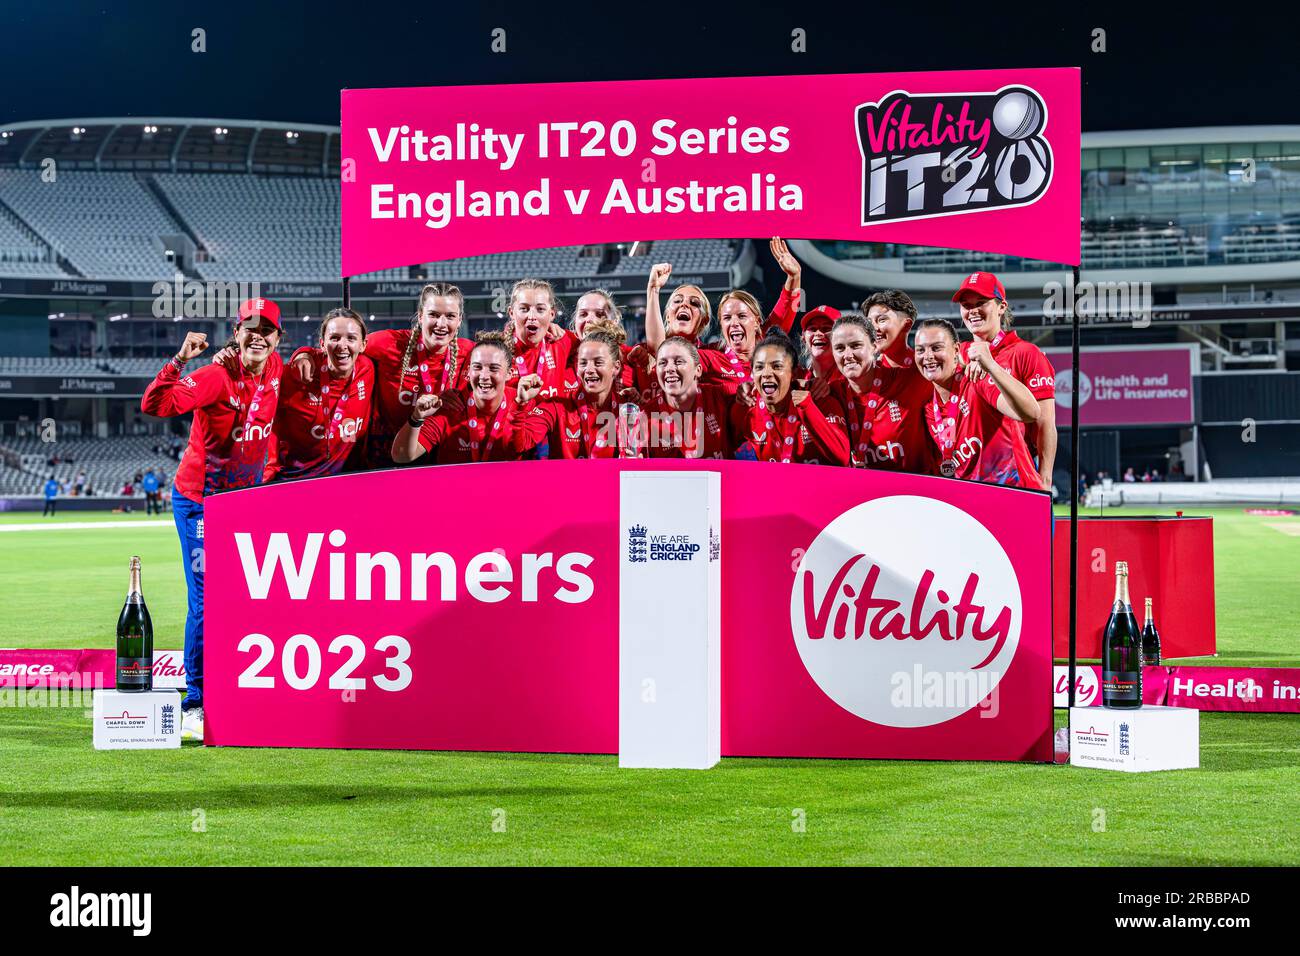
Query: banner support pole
1074	485
347	292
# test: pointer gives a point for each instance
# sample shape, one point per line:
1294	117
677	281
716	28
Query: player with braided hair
426	359
476	427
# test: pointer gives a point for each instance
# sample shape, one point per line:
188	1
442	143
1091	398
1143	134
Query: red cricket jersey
320	426
976	441
900	356
1027	364
471	434
572	427
795	433
553	361
429	372
885	424
702	432
230	436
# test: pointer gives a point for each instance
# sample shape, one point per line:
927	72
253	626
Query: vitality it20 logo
952	153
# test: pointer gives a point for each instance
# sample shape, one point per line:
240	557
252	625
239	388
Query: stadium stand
108	224
686	255
108	463
259	227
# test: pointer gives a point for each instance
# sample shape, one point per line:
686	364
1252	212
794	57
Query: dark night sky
1165	66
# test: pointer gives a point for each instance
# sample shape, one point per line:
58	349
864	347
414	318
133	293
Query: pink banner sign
1274	690
1150	385
865	614
980	160
88	667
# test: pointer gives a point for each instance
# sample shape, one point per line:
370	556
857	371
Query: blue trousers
188	516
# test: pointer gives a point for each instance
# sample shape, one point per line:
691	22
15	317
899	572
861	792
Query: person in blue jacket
152	499
51	496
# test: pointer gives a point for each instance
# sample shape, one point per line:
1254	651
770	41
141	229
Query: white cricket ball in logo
1065	388
876	678
1016	115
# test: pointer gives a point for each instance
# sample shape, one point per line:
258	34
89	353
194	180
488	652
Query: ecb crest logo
947	154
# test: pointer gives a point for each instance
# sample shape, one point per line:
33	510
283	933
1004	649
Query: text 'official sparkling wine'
1121	649
1150	639
134	639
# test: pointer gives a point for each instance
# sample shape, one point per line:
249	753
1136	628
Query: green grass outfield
61	802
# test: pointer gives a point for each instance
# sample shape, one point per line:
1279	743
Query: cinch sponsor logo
251	432
872	598
348	429
968	450
952	153
75	908
888	452
1039	381
290	562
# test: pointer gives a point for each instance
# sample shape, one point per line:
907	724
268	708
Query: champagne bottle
1121	650
134	639
1150	639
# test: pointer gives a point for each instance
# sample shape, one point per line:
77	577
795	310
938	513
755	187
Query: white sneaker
192	724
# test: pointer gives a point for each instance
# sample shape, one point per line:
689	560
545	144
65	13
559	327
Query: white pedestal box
670	619
1149	738
147	721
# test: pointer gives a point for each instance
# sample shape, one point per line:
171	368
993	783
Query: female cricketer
686	419
975	424
584	423
459	430
319	426
986	315
426	359
784	425
230	439
882	407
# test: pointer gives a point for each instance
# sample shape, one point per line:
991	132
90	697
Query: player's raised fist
659	275
195	343
426	405
529	387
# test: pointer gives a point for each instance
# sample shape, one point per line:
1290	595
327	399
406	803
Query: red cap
264	308
822	312
984	283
